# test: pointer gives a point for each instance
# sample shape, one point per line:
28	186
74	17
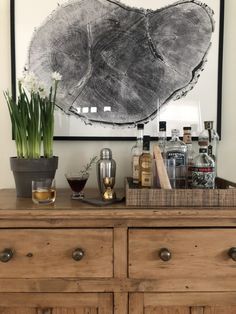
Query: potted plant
32	118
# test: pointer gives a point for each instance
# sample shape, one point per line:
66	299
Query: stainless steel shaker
106	168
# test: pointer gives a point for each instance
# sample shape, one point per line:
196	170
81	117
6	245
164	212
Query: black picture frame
123	138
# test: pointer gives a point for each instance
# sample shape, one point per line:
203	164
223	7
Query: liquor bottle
203	170
145	164
213	139
136	151
177	149
162	136
187	139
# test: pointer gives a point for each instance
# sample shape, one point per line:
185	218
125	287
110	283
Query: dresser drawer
191	258
56	253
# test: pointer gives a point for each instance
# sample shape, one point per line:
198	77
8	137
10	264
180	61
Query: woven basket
223	196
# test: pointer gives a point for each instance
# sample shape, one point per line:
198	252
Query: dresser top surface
64	207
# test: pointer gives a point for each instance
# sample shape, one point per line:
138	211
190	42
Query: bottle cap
208	125
162	125
140	126
106	153
187	128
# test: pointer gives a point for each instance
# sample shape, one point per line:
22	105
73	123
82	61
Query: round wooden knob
78	254
6	255
232	253
165	254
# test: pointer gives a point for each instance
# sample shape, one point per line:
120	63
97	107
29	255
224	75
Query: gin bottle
177	149
203	170
136	151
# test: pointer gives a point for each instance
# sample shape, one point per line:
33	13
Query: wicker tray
223	196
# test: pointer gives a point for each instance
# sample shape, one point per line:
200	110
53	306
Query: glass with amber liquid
145	164
43	191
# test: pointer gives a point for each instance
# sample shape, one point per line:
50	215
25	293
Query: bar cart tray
224	195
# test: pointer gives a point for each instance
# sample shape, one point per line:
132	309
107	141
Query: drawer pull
6	255
232	253
165	254
78	254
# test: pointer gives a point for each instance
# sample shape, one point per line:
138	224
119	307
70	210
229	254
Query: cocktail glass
77	183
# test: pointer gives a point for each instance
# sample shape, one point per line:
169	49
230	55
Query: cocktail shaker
106	168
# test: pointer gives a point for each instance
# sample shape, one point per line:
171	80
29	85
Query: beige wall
75	154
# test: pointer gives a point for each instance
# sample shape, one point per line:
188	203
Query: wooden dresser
74	258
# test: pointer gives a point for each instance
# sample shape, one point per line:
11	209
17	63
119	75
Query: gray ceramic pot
26	170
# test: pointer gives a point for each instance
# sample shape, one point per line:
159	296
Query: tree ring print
118	61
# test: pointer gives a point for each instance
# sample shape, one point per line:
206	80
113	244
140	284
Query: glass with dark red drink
77	183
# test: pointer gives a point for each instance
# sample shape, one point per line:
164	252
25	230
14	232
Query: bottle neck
139	137
146	146
175	137
202	150
162	135
187	138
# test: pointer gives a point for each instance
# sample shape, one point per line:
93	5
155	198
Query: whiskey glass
43	191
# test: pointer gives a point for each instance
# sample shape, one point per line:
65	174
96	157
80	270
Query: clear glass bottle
136	151
162	139
145	164
203	170
213	139
187	139
177	149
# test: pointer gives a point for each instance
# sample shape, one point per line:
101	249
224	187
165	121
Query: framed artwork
123	63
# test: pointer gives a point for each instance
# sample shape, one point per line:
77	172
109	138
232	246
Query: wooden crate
223	196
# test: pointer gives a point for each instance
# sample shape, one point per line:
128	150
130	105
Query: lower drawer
56	253
183	258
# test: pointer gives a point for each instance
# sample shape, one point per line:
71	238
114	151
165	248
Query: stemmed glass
77	182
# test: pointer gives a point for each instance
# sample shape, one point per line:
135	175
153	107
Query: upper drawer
57	253
195	259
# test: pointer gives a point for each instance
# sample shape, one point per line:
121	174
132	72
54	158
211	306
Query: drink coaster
99	202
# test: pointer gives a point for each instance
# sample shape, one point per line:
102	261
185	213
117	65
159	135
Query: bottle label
210	150
180	157
135	169
146	165
203	177
146	179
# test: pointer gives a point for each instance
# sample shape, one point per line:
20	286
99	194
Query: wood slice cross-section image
119	62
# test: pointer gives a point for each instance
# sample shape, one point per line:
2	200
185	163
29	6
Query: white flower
30	82
56	76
